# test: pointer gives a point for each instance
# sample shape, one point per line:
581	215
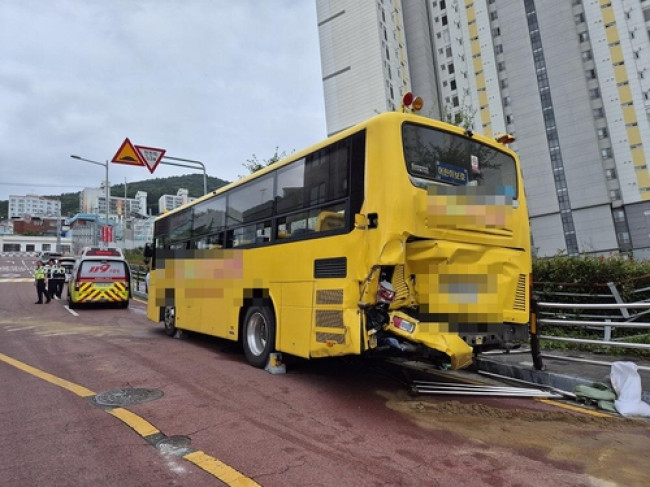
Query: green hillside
154	188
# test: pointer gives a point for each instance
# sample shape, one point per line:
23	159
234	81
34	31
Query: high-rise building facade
33	205
168	202
93	201
569	78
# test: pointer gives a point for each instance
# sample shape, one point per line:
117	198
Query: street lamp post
106	187
197	163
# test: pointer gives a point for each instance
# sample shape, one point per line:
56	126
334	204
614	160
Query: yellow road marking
577	408
219	469
70	386
144	428
139	425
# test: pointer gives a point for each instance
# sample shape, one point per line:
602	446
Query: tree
253	164
463	118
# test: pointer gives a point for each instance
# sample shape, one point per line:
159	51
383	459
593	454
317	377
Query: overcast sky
210	80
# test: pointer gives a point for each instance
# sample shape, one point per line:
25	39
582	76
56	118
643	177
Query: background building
93	201
33	245
569	78
33	205
168	202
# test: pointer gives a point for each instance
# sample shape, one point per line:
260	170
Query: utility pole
124	214
58	229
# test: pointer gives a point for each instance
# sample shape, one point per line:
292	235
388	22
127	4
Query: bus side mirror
148	253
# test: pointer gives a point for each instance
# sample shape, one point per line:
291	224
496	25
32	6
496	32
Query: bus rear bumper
459	352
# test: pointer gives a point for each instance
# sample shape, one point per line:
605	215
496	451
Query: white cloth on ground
626	382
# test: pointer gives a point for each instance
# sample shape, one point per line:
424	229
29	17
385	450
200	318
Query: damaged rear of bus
445	211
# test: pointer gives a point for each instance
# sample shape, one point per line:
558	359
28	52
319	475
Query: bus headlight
404	325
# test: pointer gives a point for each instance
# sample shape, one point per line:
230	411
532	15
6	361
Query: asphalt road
219	421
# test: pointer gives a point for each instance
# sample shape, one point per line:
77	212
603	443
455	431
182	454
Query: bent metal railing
552	314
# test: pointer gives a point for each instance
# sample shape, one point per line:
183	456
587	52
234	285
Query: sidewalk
560	374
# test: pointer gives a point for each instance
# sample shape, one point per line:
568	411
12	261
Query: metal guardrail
591	316
138	283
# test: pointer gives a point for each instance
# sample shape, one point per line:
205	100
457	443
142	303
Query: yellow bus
401	235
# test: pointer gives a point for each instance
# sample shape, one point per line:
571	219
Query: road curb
521	368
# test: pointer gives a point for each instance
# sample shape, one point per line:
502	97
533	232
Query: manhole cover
127	396
174	445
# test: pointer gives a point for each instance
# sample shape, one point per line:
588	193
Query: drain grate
127	396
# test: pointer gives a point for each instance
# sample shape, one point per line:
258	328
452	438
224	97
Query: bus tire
71	303
169	319
258	336
124	304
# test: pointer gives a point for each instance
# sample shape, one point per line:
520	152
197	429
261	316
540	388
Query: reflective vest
39	274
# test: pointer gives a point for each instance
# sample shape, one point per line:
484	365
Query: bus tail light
385	293
404	325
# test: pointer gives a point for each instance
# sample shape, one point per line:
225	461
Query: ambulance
100	276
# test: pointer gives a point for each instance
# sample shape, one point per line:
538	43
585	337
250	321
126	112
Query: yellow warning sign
126	154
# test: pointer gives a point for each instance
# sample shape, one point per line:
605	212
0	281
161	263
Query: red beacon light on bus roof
505	139
413	103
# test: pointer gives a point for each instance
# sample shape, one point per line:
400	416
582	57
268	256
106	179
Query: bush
134	256
584	279
590	275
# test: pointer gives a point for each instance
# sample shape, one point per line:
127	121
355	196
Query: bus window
306	223
450	159
210	242
263	232
252	202
209	216
180	226
329	220
326	175
290	187
243	235
255	234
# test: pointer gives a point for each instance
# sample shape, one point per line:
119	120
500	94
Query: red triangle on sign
126	155
150	156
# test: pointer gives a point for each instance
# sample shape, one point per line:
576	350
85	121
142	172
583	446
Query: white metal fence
606	313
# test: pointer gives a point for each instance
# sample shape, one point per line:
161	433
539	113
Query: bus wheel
170	320
259	335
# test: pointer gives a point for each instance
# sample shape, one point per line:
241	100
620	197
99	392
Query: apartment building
569	78
33	205
168	202
93	201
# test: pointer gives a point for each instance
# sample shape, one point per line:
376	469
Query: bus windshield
450	159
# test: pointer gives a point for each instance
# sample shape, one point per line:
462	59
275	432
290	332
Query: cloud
211	80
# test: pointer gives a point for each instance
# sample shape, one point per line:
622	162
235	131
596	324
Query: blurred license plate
102	284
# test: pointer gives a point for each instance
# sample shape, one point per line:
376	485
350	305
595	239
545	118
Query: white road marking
70	311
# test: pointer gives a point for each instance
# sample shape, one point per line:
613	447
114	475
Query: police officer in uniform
40	278
57	276
51	282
